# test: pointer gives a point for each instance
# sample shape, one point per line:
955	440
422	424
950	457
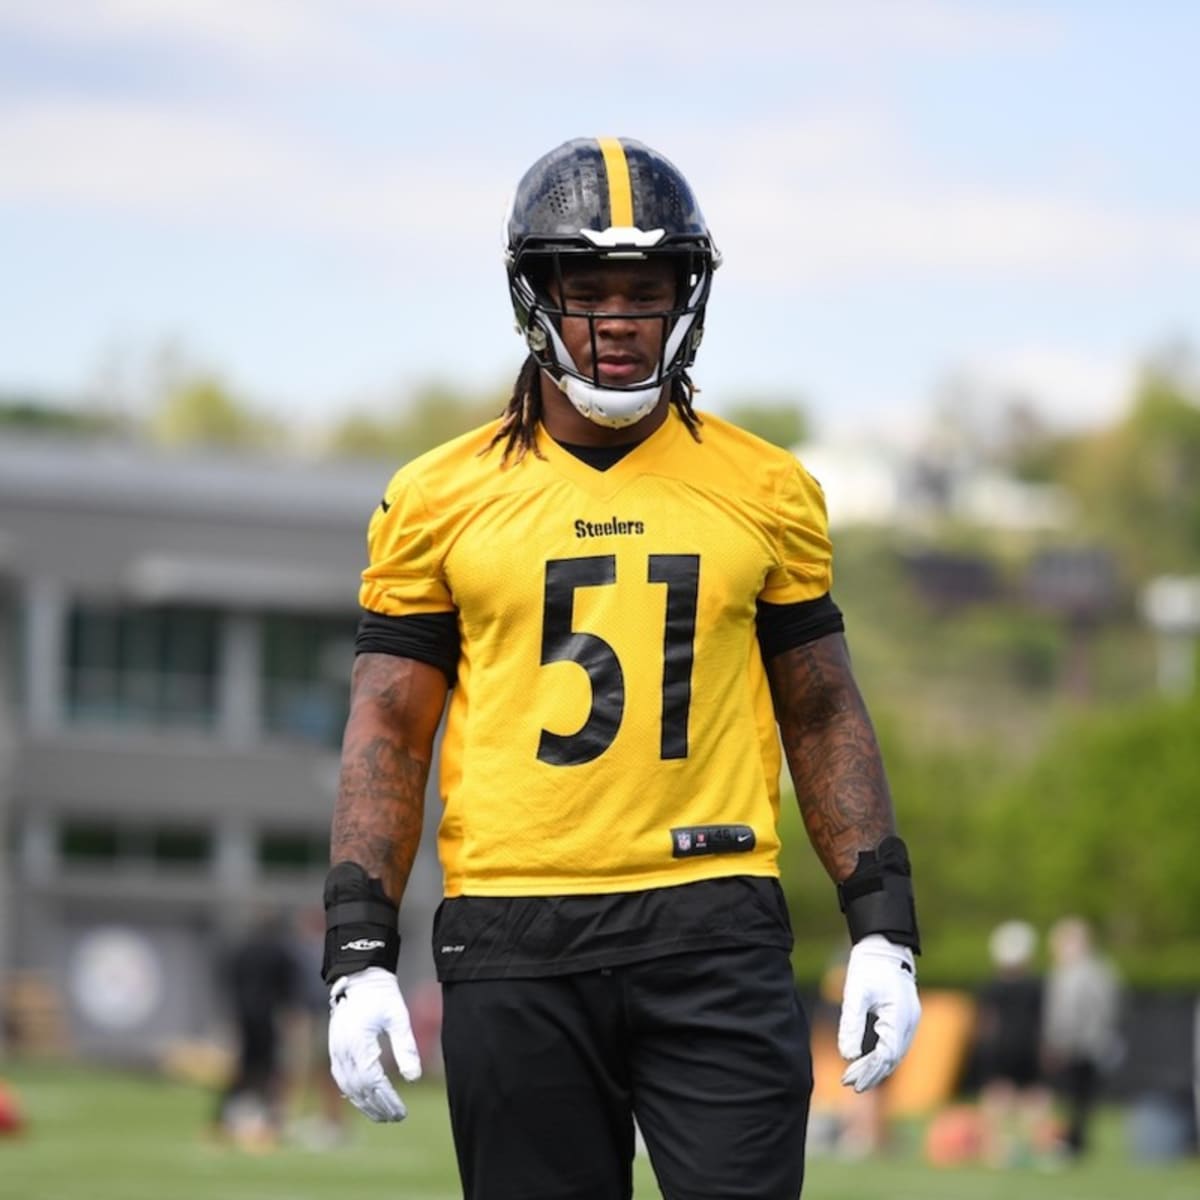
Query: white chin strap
612	407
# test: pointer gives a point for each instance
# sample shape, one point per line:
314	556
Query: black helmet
607	198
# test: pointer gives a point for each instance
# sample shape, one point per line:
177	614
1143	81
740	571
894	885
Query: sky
913	198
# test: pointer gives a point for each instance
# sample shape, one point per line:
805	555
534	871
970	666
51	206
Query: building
177	634
875	482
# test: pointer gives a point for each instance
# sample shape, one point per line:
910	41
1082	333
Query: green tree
435	414
1099	822
199	409
1138	483
35	415
782	422
1104	823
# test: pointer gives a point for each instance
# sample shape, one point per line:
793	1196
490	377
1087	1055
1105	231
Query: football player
628	605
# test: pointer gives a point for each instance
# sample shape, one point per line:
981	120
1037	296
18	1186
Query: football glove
362	1006
881	979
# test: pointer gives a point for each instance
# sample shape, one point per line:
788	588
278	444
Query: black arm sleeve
428	637
785	626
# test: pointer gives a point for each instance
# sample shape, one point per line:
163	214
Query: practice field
110	1136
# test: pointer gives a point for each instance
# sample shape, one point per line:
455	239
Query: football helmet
609	199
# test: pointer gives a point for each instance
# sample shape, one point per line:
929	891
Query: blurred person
1080	1031
1014	1100
425	1013
12	1113
260	978
631	602
313	1112
851	1125
955	1137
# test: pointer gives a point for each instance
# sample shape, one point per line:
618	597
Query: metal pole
1171	606
8	745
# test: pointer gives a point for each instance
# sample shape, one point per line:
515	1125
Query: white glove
881	979
362	1006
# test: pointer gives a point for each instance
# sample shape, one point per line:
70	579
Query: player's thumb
404	1047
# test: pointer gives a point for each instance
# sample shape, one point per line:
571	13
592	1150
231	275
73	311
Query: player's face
619	295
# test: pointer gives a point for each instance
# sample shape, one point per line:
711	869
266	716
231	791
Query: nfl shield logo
684	839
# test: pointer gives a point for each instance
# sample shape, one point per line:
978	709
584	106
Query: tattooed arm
395	706
847	808
831	752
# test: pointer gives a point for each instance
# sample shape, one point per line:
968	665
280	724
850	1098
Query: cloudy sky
307	196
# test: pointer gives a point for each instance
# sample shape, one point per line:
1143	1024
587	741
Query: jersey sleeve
405	572
803	569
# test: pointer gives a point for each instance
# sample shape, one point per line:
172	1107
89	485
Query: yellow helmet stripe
620	192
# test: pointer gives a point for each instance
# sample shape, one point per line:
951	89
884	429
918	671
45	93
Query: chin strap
609	406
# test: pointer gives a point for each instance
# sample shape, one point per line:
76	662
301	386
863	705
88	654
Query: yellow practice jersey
611	727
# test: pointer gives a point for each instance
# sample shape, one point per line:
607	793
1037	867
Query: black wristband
360	923
878	896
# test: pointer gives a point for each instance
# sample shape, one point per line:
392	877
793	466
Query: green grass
103	1135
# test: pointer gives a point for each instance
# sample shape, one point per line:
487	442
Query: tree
1139	482
34	415
781	422
435	414
199	409
1103	824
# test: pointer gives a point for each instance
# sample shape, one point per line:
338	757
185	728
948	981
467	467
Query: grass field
110	1136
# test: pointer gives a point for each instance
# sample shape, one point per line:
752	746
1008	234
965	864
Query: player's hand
361	1007
881	979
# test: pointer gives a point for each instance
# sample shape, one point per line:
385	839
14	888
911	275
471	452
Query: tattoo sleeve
395	706
831	752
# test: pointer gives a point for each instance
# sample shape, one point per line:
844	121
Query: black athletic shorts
708	1050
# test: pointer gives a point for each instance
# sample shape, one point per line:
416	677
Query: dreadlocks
519	421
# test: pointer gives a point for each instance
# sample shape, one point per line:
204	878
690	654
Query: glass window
181	846
89	841
293	850
92	840
144	666
11	638
306	677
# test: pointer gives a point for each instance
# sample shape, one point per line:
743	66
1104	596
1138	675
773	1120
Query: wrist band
878	897
360	923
